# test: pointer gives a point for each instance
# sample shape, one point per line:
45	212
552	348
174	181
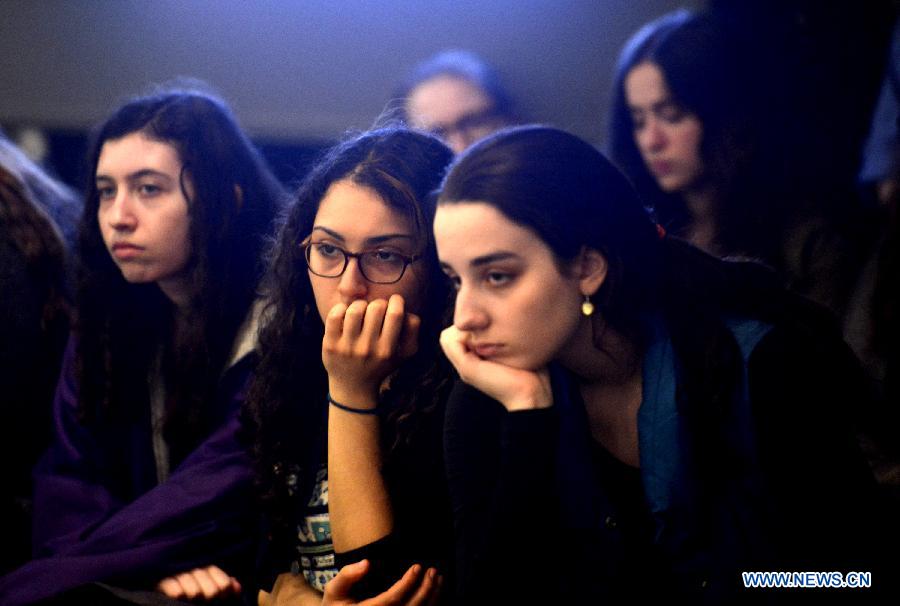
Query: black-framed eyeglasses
470	124
379	266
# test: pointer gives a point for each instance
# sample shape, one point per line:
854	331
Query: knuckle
361	351
394	312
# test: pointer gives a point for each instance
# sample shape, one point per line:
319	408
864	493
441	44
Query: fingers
515	388
393	322
412	589
170	587
409	339
190	588
223	581
374	324
201	582
344	322
397	592
428	590
208	587
378	328
435	596
453	342
353	320
334	324
339	587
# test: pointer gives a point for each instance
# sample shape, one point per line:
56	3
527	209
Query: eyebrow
369	241
492	258
140	174
655	107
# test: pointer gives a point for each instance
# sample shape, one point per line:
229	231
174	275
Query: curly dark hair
232	211
286	406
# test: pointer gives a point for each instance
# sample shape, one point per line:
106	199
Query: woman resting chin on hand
636	419
348	401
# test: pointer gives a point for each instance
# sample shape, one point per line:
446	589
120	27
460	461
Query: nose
468	313
352	285
457	141
119	214
652	137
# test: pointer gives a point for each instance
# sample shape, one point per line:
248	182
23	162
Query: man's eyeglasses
380	266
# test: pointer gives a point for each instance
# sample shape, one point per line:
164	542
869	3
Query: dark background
299	73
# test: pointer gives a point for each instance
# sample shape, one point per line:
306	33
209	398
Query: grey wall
305	70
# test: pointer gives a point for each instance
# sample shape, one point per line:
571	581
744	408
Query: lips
661	167
487	350
124	250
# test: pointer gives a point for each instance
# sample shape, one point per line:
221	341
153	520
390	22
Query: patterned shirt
315	552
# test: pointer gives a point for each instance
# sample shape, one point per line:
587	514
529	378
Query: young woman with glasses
639	420
346	404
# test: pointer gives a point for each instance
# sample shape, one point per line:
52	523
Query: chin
528	363
671	186
135	278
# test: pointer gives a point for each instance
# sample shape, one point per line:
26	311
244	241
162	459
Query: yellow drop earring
587	308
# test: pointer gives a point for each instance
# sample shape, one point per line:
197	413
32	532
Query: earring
587	308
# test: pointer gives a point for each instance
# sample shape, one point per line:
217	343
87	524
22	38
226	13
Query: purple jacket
97	519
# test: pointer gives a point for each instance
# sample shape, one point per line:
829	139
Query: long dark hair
34	234
706	75
34	260
286	403
571	196
235	200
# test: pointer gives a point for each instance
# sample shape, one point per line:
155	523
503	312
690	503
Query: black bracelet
359	411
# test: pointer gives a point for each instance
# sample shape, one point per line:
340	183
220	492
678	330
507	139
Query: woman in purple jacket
146	485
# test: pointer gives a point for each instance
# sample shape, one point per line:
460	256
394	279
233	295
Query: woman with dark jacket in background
692	127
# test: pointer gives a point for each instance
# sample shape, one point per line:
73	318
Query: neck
601	354
703	207
611	384
178	292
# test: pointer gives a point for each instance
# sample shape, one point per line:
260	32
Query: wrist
528	403
531	396
354	397
350	408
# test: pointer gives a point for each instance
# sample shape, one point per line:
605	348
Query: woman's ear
592	268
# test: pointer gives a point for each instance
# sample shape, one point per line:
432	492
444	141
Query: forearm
500	470
358	502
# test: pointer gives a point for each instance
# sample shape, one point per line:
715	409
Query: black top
413	471
517	540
